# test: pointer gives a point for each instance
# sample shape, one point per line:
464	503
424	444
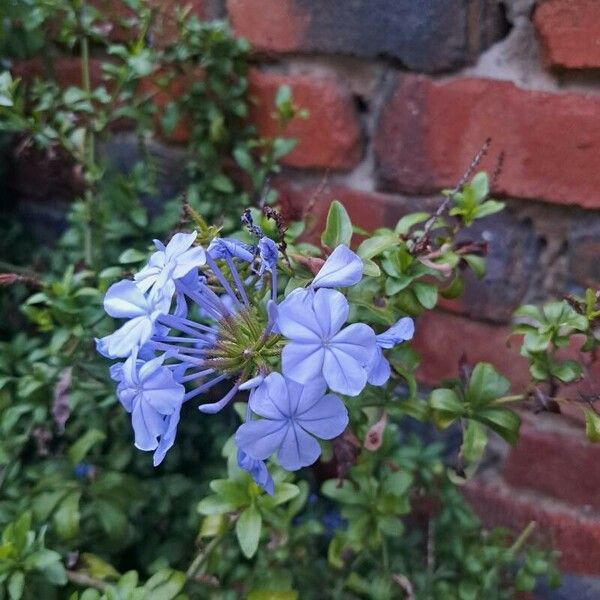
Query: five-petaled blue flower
318	347
174	261
149	391
293	416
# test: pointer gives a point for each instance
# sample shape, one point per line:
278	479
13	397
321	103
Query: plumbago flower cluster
199	317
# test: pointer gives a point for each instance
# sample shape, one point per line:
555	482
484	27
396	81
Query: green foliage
391	524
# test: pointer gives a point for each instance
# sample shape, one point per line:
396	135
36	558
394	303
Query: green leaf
567	371
477	264
370	268
247	529
131	256
66	518
480	186
215	505
376	245
397	483
504	422
485	385
84	444
426	294
488	208
474	442
338	229
165	585
446	400
16	585
404	225
592	425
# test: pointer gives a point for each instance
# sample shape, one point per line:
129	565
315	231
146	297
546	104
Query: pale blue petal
187	261
343	373
125	300
379	370
270	399
307	394
178	244
296	318
260	439
129	336
358	340
147	426
167	439
298	449
302	362
331	311
401	331
327	418
343	268
258	470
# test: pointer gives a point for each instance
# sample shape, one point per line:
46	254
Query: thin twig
85	580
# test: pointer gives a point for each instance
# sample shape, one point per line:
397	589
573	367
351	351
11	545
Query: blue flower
222	248
318	347
343	268
379	368
124	300
269	254
294	416
258	470
401	331
149	391
175	260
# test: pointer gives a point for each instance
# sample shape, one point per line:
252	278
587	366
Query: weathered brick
569	32
429	131
442	338
561	464
559	526
66	70
329	138
163	30
370	210
434	36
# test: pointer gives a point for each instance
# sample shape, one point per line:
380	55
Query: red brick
559	526
164	29
269	26
435	36
329	138
369	210
429	131
569	32
442	338
563	465
66	71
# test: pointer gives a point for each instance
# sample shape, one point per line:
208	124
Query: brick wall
401	95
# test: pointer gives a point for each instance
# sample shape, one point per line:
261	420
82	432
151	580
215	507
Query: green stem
204	554
518	544
507	399
385	555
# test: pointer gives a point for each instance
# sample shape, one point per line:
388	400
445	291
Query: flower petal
379	370
147	426
358	340
261	438
270	399
327	418
124	300
190	259
129	336
258	470
343	373
331	309
302	362
296	318
401	331
306	395
178	244
343	268
167	439
298	449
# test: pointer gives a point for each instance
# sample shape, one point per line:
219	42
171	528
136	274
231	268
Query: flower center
242	346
